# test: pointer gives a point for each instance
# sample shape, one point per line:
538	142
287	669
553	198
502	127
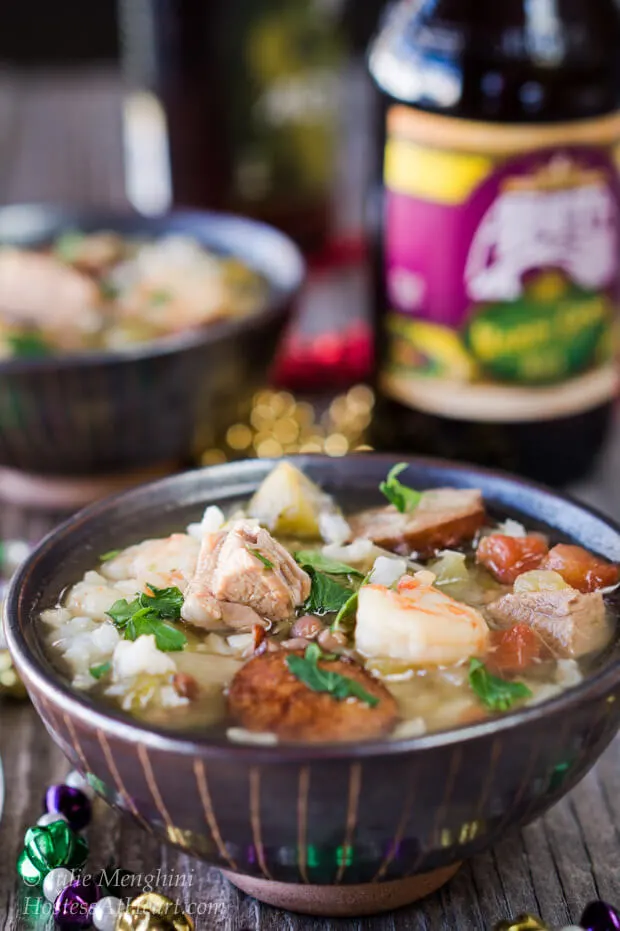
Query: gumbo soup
101	291
289	621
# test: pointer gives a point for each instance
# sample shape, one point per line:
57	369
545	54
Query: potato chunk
288	503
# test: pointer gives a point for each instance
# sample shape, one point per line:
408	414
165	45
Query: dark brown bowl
329	829
156	404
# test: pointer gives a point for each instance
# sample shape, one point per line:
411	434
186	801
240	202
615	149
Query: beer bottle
499	277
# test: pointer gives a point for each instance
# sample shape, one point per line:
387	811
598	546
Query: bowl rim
276	300
60	694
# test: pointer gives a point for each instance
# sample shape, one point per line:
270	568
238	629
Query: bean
307	626
332	641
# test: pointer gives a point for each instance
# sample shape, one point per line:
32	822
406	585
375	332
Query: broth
111	292
287	621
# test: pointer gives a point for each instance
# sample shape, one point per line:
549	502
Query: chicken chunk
417	624
39	289
265	696
243	576
570	623
444	518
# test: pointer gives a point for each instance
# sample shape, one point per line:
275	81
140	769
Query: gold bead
152	911
522	923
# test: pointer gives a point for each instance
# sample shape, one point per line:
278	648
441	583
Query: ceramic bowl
154	405
340	829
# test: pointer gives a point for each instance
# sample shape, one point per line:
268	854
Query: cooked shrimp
163	563
417	624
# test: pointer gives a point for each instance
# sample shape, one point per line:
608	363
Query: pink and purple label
501	271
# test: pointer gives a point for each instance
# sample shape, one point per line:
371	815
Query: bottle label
502	252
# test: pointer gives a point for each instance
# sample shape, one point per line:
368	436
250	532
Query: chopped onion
333	527
387	570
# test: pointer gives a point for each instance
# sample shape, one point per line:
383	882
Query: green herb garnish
146	614
306	669
67	245
326	595
313	559
98	672
111	554
266	562
159	298
404	499
347	611
28	345
497	694
108	290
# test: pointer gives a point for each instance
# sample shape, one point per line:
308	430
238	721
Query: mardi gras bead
77	781
27	871
49	817
47	847
106	912
73	907
154	912
522	923
70	802
55	881
599	916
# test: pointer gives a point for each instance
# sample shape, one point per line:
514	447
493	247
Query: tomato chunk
581	569
515	649
507	557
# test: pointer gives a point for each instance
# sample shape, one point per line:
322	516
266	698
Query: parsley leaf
98	672
497	694
122	611
67	245
168	638
159	298
404	499
146	614
266	562
166	601
108	290
111	554
306	669
313	559
347	611
326	595
28	345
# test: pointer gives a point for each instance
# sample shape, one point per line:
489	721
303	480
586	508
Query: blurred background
113	104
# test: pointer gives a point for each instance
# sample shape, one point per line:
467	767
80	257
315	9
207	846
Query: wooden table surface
60	140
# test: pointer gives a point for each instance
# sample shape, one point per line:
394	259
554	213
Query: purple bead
71	803
599	916
73	907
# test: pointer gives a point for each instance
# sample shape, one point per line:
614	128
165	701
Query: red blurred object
331	360
330	345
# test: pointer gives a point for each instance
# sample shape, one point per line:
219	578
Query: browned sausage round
265	696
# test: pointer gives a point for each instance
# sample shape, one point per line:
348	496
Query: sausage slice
265	696
444	517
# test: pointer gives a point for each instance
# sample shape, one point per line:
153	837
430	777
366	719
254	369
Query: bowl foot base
69	492
343	901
